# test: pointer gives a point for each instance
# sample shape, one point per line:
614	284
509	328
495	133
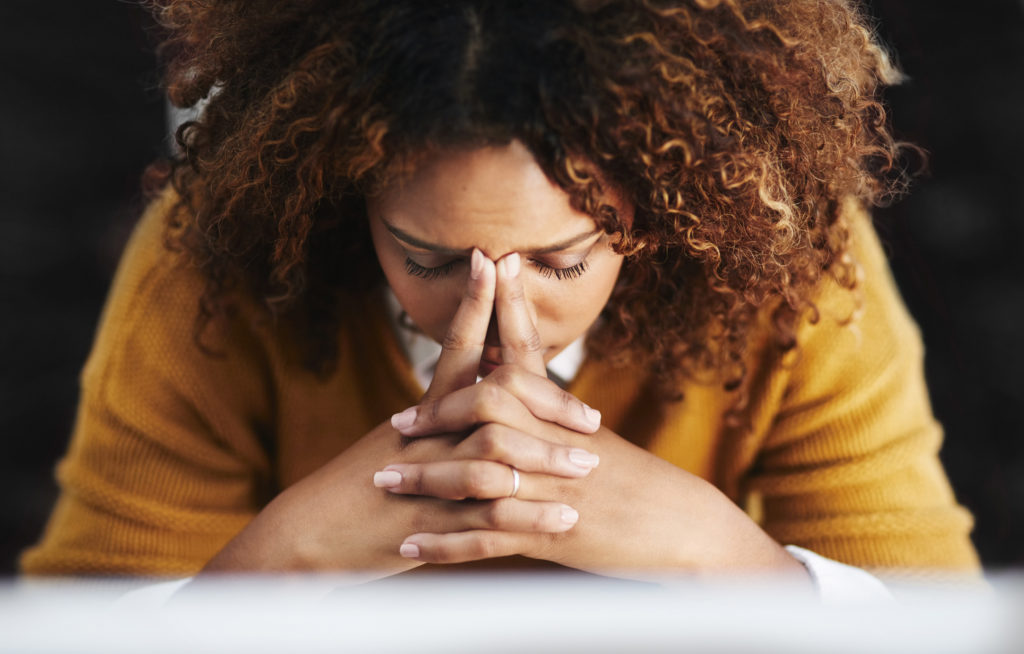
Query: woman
640	223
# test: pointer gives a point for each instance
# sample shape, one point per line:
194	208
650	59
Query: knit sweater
176	447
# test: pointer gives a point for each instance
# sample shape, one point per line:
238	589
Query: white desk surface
504	613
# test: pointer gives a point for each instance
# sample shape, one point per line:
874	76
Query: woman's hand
637	512
337	519
517	391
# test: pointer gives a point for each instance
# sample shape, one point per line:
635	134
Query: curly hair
736	128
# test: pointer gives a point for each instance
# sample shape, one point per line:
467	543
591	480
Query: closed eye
571	272
416	270
423	272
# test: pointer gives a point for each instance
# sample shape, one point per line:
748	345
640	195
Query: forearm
733	543
334	519
267	544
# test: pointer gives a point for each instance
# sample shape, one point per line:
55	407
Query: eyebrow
441	249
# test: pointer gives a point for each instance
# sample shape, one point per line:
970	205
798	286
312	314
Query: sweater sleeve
168	460
849	467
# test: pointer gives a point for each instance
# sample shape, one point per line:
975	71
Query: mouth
487	367
490	360
491	356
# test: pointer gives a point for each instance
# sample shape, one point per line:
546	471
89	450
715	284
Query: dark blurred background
81	115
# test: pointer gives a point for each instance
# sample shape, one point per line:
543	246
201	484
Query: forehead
495	198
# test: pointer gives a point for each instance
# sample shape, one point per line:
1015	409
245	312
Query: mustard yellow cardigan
175	450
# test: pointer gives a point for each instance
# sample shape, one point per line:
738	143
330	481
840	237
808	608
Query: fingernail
404	420
593	416
570	516
511	264
583	458
476	264
387	479
409	550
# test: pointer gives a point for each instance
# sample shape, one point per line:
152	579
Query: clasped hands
443	477
518	428
634	514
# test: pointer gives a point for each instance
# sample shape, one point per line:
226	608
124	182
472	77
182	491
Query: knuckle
533	342
486	397
530	343
496	514
478	408
547	519
433	412
476	478
413	480
442	552
490	443
491	394
552	458
505	376
484	546
453	340
567	401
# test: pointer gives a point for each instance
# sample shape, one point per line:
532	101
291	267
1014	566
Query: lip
486	367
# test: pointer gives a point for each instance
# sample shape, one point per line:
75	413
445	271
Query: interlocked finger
527	453
521	343
464	342
511	514
453	480
464	409
471	545
546	399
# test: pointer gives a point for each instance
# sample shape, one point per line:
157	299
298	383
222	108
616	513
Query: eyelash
416	270
571	272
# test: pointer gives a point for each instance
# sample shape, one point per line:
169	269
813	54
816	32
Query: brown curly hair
736	128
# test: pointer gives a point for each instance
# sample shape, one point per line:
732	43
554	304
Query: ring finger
454	480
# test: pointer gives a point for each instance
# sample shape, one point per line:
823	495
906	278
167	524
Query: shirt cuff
838	583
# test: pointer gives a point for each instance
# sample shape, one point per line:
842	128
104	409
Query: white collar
423	351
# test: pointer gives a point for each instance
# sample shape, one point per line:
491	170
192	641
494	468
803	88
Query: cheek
560	313
565	310
430	304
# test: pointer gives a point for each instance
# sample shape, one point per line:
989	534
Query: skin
499	201
306	527
491	220
639	512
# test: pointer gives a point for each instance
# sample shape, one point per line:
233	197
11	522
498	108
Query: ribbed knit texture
175	450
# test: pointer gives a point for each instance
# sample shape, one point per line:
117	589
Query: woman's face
497	199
